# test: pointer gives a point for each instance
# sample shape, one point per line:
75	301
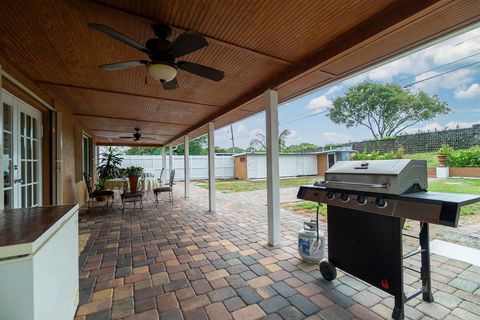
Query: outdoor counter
39	263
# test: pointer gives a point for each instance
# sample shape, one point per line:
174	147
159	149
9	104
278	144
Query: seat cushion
161	189
100	193
132	194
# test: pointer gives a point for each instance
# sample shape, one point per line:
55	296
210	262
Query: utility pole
233	140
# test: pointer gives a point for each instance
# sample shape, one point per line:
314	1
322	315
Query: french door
21	130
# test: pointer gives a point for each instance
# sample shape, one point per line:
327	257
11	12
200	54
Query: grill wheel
328	270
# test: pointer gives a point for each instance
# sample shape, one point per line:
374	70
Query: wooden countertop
23	231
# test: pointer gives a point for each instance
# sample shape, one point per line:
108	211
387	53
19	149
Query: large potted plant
442	154
109	167
133	173
110	162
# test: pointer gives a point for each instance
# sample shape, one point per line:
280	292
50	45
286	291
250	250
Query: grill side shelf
449	203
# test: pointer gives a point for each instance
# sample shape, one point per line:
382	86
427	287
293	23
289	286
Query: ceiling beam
129	132
129	144
376	24
64	85
209	38
136	120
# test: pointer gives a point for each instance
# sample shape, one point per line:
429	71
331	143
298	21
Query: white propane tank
309	248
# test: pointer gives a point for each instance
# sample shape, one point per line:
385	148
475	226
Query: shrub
375	155
464	157
445	149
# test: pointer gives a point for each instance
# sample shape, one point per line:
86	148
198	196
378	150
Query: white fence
291	165
198	166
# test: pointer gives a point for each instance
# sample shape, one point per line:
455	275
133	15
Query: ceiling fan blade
147	138
124	64
201	70
170	85
118	36
188	42
126	137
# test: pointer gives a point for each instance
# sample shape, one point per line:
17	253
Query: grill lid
379	176
381	167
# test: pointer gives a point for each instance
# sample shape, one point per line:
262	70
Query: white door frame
19	106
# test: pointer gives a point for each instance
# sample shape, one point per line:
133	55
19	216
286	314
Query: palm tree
259	141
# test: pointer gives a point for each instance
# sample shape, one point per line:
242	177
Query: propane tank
311	242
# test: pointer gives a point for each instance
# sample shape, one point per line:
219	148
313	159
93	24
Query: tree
143	150
386	109
196	147
259	141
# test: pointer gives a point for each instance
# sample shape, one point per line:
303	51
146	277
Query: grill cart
367	204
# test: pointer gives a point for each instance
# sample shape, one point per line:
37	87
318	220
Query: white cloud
332	91
472	91
405	65
319	104
293	138
438	127
333	137
451	81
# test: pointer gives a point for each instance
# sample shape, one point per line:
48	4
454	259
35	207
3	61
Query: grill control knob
362	200
345	197
381	202
330	195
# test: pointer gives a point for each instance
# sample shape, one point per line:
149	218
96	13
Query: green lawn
431	158
241	185
471	186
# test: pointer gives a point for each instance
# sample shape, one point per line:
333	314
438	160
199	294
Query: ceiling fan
137	136
162	65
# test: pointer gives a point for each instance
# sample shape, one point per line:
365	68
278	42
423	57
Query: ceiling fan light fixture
162	71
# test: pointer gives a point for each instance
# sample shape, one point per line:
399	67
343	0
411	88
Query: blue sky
458	57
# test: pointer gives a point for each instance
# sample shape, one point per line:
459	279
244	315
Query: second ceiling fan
162	65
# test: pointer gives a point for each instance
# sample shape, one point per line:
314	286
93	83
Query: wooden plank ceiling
292	46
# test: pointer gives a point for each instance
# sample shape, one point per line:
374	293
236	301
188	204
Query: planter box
467	172
442	172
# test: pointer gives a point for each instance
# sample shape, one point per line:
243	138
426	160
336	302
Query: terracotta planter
133	183
441	160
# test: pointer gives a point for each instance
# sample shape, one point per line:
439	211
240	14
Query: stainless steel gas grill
367	204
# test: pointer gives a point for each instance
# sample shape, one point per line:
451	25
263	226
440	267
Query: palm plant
259	141
109	164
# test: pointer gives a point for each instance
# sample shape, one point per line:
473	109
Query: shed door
331	159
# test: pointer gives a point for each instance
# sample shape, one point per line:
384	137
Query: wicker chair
93	194
134	196
168	188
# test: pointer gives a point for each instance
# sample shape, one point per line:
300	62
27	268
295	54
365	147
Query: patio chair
168	188
93	194
161	176
134	196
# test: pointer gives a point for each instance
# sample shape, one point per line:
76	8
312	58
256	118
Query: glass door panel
29	182
8	181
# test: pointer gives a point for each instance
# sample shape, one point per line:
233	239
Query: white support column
273	175
170	158
186	166
211	167
164	164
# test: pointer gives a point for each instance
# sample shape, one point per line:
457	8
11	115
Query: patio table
150	183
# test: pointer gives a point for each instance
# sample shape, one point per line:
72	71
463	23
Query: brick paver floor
181	262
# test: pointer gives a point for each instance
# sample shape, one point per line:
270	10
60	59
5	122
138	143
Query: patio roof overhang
290	46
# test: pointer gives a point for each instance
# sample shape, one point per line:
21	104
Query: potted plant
442	153
133	173
110	162
101	185
109	167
